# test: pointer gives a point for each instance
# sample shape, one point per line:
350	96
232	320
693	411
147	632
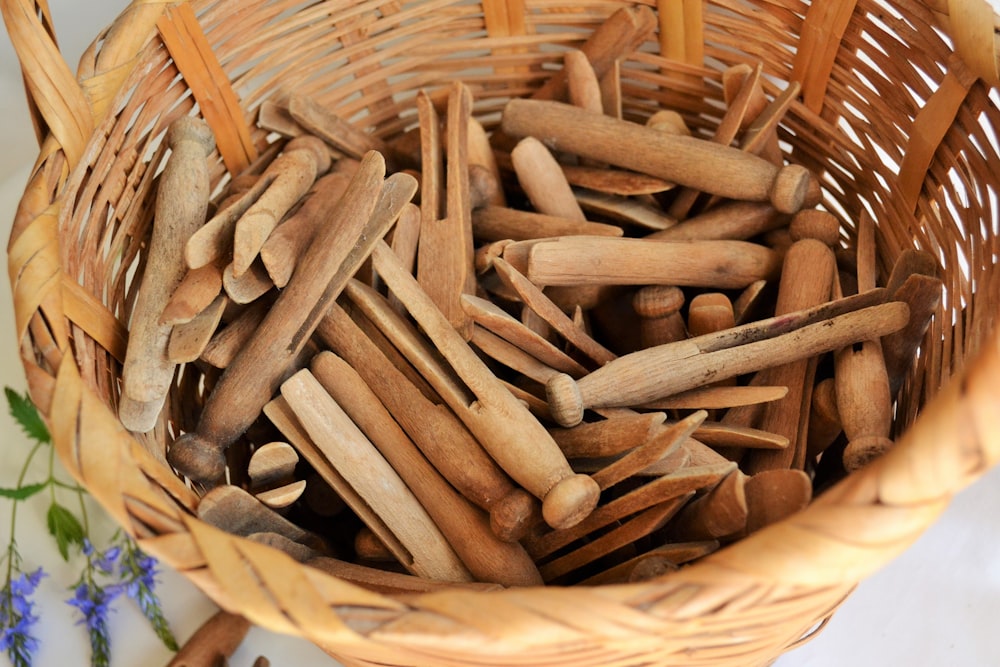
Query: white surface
935	605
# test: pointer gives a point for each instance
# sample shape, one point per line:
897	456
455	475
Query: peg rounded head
316	146
197	458
862	451
657	300
814	223
565	400
570	501
513	515
790	188
189	128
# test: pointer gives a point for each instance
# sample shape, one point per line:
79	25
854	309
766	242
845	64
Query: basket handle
973	25
63	105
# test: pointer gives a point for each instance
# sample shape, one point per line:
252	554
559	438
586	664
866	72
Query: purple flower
138	577
94	604
17	616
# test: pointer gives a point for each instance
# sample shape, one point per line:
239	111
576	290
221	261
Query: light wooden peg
466	529
641	377
181	207
706	166
433	428
512	436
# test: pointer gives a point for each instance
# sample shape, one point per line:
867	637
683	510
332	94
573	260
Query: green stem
11	549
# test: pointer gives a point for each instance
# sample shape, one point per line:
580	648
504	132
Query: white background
937	604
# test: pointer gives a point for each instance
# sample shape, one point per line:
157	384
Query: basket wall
891	118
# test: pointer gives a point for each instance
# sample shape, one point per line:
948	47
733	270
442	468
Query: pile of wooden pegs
574	350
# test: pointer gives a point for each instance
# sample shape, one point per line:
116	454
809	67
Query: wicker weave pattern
902	151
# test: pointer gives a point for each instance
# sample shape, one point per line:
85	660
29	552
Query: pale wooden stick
646	375
331	128
498	321
680	485
659	445
225	344
466	529
579	260
710	167
282	416
542	179
627	210
250	285
189	340
806	281
367	210
503	426
607	437
737	220
194	294
181	207
405	240
289	240
712	398
582	86
481	153
494	223
717	514
433	428
923	295
551	313
294	172
644	523
213	242
613	182
364	468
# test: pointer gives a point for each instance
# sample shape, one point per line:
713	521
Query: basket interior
864	130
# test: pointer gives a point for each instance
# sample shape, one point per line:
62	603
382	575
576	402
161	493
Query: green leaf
65	527
23	492
26	414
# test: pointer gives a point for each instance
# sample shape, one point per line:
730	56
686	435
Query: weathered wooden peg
512	436
181	207
699	164
644	376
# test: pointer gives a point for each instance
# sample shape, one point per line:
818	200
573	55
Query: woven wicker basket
897	114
